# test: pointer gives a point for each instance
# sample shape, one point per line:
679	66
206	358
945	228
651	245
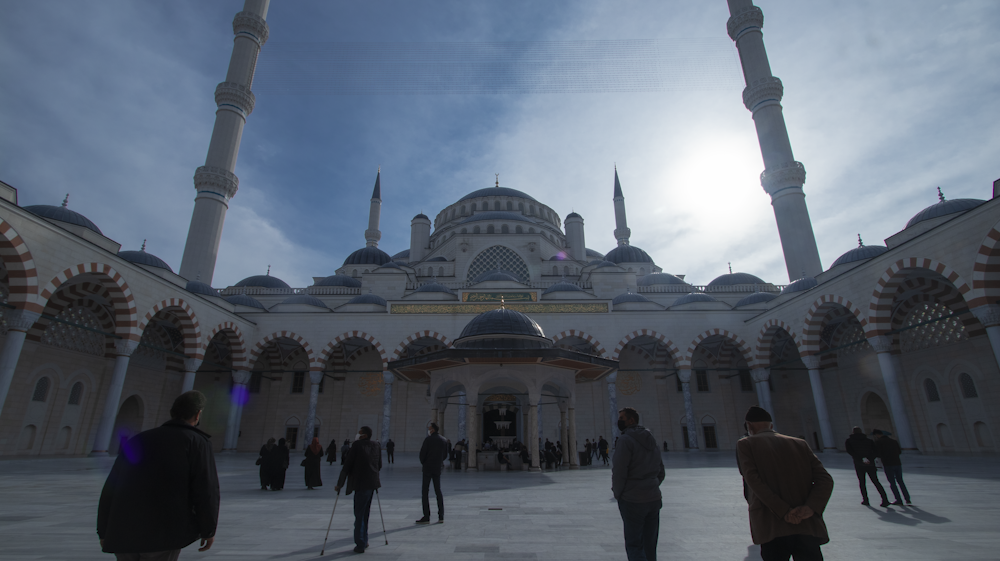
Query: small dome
561	256
496	215
659	278
502	322
592	254
734	279
196	287
368	299
944	208
434	287
262	281
628	254
862	253
756	298
562	287
390	265
244	300
573	215
496	275
304	299
439	258
142	258
496	192
800	285
693	297
402	256
629	297
339	280
63	214
368	256
421	215
602	264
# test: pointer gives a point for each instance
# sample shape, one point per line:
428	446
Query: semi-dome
496	192
800	285
339	280
402	256
861	253
142	258
244	300
368	299
368	255
562	287
594	254
693	297
629	297
502	329
628	254
63	214
437	259
495	215
434	287
600	264
198	287
497	275
304	299
659	278
262	281
732	279
756	298
390	265
944	208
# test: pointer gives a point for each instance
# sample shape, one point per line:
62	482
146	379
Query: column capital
124	347
684	374
230	95
251	26
315	377
881	343
811	362
746	20
20	320
788	174
217	180
612	378
388	378
988	315
760	374
192	364
241	377
763	92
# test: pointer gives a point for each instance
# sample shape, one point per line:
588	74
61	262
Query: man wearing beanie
788	489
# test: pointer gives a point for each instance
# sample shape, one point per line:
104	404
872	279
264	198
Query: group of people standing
273	462
865	452
596	449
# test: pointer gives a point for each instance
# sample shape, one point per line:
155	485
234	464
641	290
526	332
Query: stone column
825	429
613	405
891	373
562	436
473	430
315	378
533	440
236	401
574	458
18	324
191	365
989	316
463	405
102	440
388	379
761	376
685	377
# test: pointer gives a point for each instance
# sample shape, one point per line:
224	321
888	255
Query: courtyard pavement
48	510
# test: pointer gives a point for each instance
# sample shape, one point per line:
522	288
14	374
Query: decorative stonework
78	329
124	347
881	343
623	235
629	383
315	377
496	296
251	25
217	180
233	95
788	174
743	21
811	362
241	377
370	384
763	92
988	315
601	308
372	237
192	364
684	375
760	374
20	320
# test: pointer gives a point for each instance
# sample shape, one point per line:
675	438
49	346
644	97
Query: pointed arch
314	362
326	353
189	326
419	335
582	335
237	344
986	271
21	273
126	316
674	351
880	307
766	336
685	360
816	317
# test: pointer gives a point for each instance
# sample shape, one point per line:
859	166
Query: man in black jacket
888	451
636	473
862	449
163	492
390	447
361	466
432	454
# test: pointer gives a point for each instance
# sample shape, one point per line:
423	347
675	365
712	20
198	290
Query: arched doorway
875	413
127	424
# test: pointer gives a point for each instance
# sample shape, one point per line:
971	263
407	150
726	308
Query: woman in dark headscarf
314	455
331	452
279	464
264	461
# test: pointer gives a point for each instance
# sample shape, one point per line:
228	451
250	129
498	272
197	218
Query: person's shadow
753	553
925	516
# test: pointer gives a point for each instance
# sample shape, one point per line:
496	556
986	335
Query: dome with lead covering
861	253
602	264
390	265
944	208
629	297
339	280
262	281
304	299
402	256
659	278
693	297
756	298
368	299
244	300
562	287
800	285
502	329
496	192
628	254
368	255
593	254
196	287
732	279
142	258
63	214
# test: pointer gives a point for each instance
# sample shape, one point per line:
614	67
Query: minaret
783	177
622	233
372	234
215	182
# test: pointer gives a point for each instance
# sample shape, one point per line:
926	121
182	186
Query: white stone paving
48	511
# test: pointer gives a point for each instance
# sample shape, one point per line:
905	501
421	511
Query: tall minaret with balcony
373	234
622	233
783	177
215	182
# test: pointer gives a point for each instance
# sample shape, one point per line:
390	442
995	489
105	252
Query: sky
112	102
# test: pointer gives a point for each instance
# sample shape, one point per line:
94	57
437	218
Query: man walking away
888	450
636	474
163	492
432	454
862	449
602	449
361	466
390	447
788	489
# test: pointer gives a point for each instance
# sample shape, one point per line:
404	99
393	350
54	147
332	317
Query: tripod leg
328	526
380	516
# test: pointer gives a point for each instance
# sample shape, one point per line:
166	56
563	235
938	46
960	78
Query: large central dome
496	192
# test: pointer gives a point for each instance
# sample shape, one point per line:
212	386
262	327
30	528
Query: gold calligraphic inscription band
589	308
495	296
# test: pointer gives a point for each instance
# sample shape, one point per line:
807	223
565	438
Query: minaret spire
783	177
372	234
622	233
215	181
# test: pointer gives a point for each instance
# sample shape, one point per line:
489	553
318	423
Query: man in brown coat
788	491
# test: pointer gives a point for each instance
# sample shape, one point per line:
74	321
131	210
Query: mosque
498	322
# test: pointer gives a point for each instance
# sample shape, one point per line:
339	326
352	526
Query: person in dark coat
266	463
602	450
361	466
279	465
314	456
433	452
390	448
862	449
331	452
888	451
163	492
344	449
636	474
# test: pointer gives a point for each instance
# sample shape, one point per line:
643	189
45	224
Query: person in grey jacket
636	474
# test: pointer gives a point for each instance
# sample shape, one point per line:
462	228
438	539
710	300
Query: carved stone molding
988	315
241	377
218	180
315	377
684	375
743	21
881	343
251	24
388	377
763	92
20	320
811	362
623	234
124	347
788	174
373	236
760	374
192	364
231	94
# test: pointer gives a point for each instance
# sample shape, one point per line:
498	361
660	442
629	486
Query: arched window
518	230
510	205
964	381
496	205
930	388
490	229
702	376
354	273
708	430
504	229
642	270
41	392
476	230
75	394
298	382
366	272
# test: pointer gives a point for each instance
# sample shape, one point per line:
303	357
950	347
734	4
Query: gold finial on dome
503	305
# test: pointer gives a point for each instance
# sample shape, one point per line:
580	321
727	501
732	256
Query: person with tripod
362	464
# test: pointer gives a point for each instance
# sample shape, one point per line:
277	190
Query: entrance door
875	414
127	424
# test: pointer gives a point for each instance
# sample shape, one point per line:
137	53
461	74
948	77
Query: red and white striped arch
189	327
884	294
425	334
684	361
582	335
329	350
766	336
816	318
237	344
674	352
21	273
314	362
986	271
120	295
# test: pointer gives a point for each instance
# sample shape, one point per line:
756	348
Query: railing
469	284
312	290
685	288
